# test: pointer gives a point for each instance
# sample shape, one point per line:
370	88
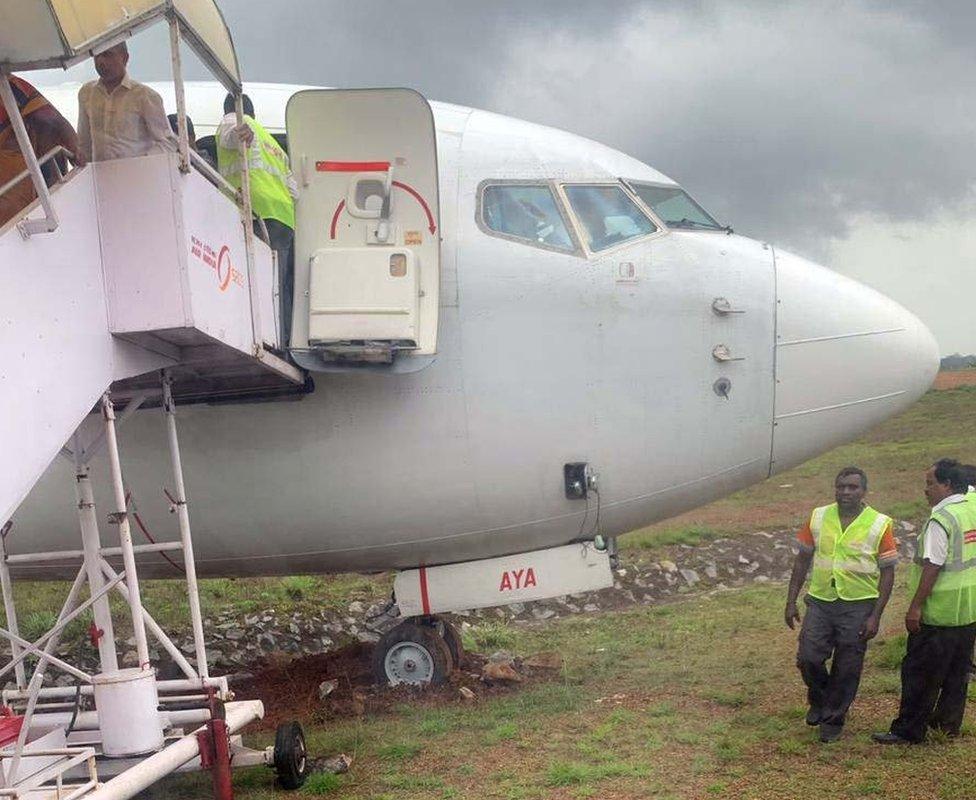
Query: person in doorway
941	617
119	117
46	128
273	192
191	136
853	553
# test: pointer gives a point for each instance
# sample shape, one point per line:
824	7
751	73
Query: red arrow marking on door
419	199
335	218
430	217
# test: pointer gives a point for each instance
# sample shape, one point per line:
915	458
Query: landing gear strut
418	651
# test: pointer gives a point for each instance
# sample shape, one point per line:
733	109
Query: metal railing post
28	227
247	214
178	88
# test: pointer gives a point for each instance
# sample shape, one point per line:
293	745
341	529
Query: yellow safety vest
953	598
845	562
270	198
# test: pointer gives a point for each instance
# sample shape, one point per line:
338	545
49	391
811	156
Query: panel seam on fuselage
840	336
841	405
772	422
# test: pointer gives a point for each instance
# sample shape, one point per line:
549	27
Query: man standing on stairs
853	552
273	192
119	117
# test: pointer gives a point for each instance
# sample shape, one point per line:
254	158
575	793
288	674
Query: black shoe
889	738
813	716
830	733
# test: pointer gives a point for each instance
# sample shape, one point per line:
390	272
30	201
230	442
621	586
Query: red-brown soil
955	378
290	689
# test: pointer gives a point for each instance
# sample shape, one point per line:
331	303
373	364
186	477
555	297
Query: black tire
434	662
452	638
290	756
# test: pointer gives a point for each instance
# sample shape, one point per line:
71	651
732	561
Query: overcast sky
842	130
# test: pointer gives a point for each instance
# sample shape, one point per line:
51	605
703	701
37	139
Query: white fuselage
543	358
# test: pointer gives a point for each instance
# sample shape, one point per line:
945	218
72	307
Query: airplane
508	346
590	311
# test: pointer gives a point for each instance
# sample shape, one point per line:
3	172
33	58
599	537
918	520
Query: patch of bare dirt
953	379
289	689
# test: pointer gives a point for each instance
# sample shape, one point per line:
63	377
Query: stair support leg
183	517
125	534
103	632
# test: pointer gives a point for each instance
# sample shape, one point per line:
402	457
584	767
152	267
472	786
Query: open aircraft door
367	238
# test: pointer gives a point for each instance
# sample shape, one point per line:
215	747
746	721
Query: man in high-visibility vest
273	192
853	553
969	473
941	618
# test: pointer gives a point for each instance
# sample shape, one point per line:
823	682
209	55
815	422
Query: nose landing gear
417	652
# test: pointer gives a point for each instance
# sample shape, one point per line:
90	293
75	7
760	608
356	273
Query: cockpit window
525	211
673	205
607	215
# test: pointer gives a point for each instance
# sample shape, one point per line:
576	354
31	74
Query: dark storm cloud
786	119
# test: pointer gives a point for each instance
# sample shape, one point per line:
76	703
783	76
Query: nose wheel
290	756
412	653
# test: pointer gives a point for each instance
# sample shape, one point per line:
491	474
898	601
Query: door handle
723	354
722	307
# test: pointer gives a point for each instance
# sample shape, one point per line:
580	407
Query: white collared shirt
936	546
128	121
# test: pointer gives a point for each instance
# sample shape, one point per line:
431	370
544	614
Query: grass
700	699
167	601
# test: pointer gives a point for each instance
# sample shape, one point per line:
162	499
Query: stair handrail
54	152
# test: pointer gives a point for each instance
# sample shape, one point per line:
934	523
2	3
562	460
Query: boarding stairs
132	282
149	268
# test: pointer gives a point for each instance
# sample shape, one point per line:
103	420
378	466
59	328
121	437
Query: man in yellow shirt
273	192
853	553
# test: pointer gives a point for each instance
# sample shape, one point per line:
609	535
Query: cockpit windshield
673	205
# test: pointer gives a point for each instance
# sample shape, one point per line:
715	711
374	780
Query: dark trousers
283	243
934	680
832	629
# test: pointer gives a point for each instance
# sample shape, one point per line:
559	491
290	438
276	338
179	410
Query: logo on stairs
219	262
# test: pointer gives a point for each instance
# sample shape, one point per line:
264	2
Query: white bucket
127	702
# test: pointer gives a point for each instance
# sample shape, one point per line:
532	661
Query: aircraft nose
847	358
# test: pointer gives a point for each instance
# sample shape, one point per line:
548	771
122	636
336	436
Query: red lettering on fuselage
517	579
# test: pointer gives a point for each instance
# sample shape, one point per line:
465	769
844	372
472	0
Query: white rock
690	576
326	688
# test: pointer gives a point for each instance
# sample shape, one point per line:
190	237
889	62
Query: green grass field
692	700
